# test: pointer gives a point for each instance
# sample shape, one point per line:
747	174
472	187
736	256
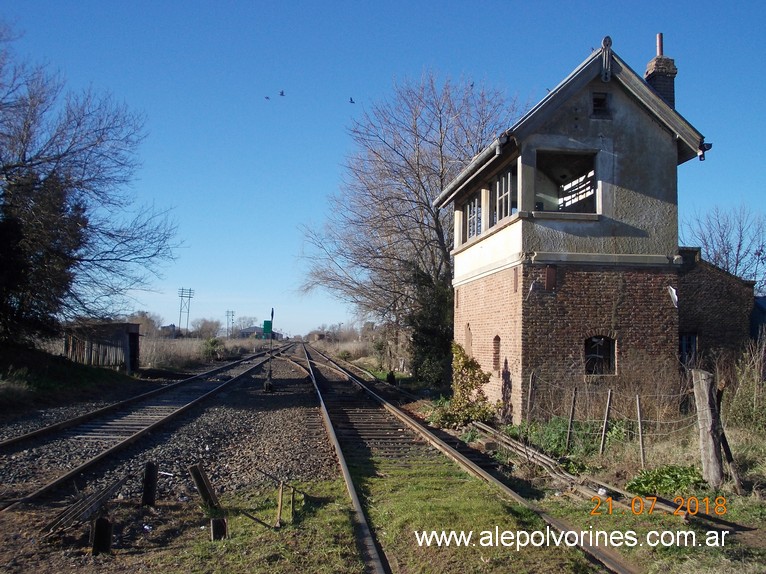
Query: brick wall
713	304
545	330
490	307
629	305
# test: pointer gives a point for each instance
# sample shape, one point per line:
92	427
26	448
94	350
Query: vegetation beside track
31	377
401	500
317	538
38	377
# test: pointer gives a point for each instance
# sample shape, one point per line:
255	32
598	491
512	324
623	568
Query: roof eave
691	141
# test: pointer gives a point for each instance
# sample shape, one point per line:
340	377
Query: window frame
570	181
505	201
600	364
472	216
601	108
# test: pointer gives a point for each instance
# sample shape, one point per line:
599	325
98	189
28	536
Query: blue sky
242	173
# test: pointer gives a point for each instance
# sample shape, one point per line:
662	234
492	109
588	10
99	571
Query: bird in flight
351	101
268	98
281	92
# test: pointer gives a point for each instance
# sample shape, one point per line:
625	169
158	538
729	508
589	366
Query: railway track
364	425
36	457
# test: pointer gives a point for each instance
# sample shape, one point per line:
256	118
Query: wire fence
591	417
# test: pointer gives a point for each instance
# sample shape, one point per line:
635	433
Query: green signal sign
267	327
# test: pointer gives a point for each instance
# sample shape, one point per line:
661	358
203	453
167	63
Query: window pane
473	216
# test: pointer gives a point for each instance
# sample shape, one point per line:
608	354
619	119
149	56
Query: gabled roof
610	67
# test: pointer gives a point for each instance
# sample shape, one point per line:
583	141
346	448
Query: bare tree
383	235
150	323
244	322
206	328
382	223
65	160
733	240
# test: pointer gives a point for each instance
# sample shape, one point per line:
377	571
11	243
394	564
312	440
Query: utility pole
186	296
229	321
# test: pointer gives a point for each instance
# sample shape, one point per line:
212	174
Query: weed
211	348
667	480
745	405
470	435
551	436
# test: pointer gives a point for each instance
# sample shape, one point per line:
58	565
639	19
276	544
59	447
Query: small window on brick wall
496	353
468	340
687	348
599	356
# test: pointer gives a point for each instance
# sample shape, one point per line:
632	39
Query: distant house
566	255
256	332
168	330
758	317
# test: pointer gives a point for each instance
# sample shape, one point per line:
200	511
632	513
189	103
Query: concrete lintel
494	267
542	257
559	215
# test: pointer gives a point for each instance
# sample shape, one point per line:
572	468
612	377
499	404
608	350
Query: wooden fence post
606	421
727	450
640	432
149	494
203	486
709	427
101	535
571	419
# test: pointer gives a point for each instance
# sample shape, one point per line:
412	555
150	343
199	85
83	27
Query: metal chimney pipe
659	44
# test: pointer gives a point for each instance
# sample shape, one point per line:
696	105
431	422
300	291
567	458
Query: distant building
168	330
113	345
566	256
256	332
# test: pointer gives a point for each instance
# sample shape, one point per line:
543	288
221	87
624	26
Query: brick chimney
661	74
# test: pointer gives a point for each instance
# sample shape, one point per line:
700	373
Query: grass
318	538
424	496
185	353
672	467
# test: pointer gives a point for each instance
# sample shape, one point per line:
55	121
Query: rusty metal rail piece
83	509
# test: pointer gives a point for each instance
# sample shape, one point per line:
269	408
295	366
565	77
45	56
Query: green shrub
211	349
666	481
470	435
468	402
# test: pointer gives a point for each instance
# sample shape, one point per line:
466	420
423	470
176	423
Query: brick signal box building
566	255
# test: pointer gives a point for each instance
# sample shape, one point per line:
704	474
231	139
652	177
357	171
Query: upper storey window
566	181
600	106
473	216
504	196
